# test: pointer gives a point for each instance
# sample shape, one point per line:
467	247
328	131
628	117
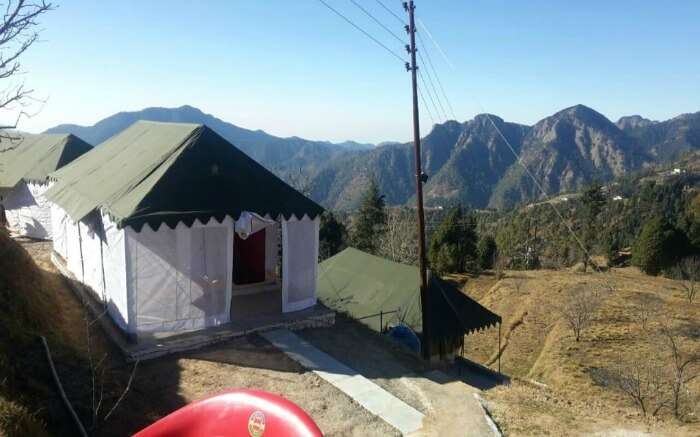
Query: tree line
455	244
655	226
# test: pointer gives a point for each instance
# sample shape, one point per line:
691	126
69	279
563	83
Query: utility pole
420	180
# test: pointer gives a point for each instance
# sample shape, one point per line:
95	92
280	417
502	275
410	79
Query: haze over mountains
467	162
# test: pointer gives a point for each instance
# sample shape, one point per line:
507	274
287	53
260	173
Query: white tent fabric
169	280
249	223
180	279
114	270
27	210
299	263
58	230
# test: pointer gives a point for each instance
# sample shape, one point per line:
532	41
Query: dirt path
448	403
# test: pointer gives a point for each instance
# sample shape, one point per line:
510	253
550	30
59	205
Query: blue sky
295	68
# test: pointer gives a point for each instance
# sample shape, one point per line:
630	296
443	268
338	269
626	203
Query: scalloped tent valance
169	173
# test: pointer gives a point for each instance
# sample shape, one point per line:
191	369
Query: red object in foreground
239	413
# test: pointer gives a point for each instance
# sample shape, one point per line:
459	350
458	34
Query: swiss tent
363	285
25	163
163	221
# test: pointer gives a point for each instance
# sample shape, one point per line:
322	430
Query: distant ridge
467	162
273	152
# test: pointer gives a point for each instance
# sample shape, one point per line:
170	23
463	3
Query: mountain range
473	162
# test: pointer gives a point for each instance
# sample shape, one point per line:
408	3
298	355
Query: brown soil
553	392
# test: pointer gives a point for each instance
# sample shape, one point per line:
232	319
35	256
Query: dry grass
539	347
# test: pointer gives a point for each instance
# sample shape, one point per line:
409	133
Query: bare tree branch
126	390
687	272
579	309
18	32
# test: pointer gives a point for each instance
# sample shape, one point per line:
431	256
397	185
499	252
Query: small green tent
32	157
363	285
25	162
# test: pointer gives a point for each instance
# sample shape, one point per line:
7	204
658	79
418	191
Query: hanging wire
364	32
430	95
386	8
382	25
425	105
437	76
435	43
432	85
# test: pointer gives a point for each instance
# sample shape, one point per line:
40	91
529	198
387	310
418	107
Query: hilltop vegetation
556	229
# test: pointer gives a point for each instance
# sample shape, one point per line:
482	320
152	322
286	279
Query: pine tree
658	246
332	236
592	201
371	219
453	246
486	251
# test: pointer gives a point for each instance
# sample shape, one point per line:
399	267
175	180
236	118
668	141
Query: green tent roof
170	172
33	157
361	285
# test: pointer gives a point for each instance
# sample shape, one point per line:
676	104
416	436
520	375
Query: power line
430	95
386	8
425	104
432	84
376	20
376	41
437	77
430	35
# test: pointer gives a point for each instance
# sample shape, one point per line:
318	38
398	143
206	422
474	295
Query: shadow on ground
376	356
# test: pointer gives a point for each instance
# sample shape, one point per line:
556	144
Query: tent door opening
249	259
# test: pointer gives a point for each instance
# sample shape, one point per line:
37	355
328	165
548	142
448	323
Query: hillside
564	152
569	395
666	140
467	162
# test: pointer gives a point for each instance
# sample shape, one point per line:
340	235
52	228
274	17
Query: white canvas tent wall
171	269
169	280
27	211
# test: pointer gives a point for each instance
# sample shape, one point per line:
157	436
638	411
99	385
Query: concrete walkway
366	393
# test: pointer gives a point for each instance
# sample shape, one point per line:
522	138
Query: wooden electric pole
420	179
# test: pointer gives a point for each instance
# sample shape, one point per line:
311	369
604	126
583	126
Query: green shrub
658	246
486	251
453	246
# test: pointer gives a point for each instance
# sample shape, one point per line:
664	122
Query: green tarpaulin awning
170	172
32	157
360	284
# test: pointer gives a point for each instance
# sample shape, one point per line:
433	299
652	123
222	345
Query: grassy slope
28	308
539	347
